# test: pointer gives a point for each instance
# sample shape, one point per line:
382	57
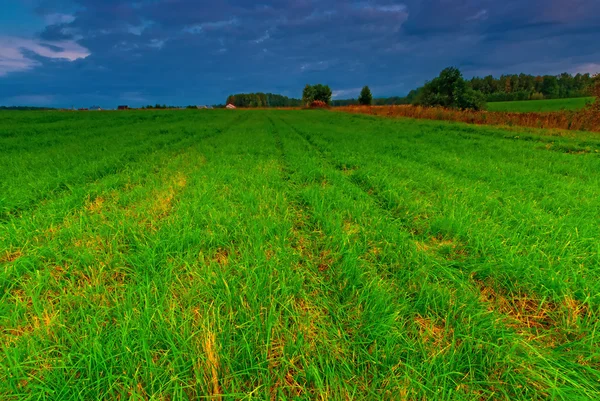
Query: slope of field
534	106
183	255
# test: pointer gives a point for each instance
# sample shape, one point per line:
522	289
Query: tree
450	90
323	93
508	85
550	87
365	97
316	92
308	95
595	91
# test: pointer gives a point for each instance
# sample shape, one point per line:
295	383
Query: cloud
355	92
264	37
17	54
591	68
31	100
479	16
200	51
136	97
346	93
157	43
58	18
139	29
316	66
210	26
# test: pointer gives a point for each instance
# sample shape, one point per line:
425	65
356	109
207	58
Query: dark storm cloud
189	51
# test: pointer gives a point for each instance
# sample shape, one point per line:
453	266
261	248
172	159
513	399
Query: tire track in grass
451	164
565	310
91	177
447	162
96	175
84	195
442	243
427	331
92	265
462	277
306	242
98	286
119	387
218	283
89	206
472	257
282	336
366	186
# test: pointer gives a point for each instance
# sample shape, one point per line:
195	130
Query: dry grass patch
547	323
437	337
325	260
522	311
221	257
350	228
92	242
286	383
212	358
309	315
10	256
95	206
39	326
163	200
448	248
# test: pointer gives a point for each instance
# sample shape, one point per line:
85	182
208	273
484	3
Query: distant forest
252	100
525	87
25	108
506	88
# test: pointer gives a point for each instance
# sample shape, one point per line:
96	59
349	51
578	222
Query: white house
230	106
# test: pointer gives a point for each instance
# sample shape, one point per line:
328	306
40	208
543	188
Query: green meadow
295	255
533	106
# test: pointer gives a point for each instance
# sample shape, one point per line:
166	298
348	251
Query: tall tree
320	92
450	90
550	87
308	95
365	98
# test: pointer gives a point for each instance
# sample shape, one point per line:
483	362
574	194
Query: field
536	106
175	255
587	119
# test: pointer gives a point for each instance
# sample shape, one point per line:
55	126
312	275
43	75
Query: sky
64	53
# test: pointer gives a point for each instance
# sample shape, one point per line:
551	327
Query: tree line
449	89
527	87
253	100
25	108
505	88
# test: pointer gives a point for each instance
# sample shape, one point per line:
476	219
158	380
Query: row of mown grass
299	255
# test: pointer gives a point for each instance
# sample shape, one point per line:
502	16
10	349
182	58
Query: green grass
528	106
184	255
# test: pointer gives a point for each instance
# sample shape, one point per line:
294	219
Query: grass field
185	255
533	106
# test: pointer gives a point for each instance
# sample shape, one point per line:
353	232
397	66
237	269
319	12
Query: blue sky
109	52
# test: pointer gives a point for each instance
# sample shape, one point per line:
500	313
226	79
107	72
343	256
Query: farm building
123	108
230	106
